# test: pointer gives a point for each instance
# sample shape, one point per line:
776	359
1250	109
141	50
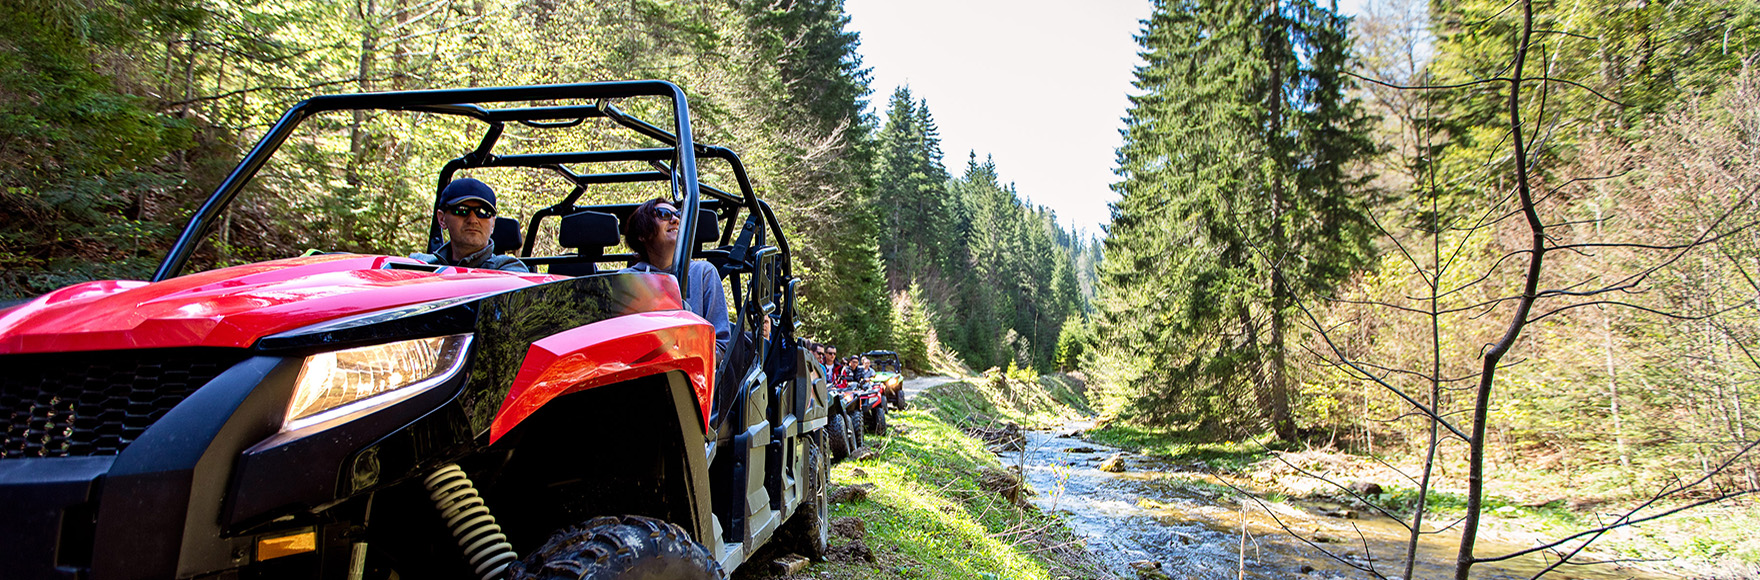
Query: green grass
928	518
1031	402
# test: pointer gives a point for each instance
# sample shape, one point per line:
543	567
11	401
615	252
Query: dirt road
919	384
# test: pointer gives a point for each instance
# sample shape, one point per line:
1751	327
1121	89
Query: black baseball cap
461	190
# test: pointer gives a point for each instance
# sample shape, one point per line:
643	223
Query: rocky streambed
1147	516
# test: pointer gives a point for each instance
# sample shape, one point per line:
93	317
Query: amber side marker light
276	547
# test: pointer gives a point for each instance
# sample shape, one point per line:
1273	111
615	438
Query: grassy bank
997	396
939	505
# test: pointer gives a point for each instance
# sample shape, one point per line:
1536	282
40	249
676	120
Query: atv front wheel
627	548
857	429
841	440
879	422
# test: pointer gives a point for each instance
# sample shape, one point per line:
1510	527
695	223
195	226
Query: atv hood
233	307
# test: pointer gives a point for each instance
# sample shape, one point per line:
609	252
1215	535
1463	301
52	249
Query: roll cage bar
672	163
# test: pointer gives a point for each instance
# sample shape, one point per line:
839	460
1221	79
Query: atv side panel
610	351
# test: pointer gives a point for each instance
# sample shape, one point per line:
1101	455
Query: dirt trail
920	384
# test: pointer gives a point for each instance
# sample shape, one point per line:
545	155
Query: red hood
232	307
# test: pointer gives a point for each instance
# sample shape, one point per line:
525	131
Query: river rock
1365	488
1113	464
790	564
1149	570
1080	450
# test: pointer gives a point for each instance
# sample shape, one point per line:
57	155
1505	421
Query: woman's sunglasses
462	210
667	213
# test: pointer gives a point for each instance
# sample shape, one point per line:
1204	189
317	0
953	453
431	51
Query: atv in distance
371	416
866	400
888	375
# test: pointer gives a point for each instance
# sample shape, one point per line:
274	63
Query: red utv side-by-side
359	416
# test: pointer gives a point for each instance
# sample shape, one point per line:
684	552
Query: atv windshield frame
673	162
885	358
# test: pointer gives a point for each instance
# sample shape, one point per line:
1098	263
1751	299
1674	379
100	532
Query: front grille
96	403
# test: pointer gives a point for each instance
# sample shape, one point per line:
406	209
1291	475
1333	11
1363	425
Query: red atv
844	432
362	416
868	400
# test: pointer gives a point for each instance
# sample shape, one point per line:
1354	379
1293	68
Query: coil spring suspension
485	547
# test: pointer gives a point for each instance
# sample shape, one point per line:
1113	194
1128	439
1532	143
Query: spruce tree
1235	205
911	191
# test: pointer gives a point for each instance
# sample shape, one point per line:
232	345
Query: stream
1153	512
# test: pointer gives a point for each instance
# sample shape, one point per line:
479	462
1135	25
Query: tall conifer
1235	205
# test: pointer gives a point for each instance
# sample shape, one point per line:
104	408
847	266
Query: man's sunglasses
462	210
666	213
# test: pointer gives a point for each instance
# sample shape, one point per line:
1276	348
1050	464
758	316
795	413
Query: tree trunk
1530	289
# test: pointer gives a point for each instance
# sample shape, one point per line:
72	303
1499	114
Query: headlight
335	384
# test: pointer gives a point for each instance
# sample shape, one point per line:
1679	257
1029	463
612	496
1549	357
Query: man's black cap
461	190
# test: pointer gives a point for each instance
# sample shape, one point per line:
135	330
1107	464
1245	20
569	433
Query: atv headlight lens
344	382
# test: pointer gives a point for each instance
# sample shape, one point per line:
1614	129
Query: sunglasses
667	213
462	210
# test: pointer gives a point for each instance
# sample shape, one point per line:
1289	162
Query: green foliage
912	333
1073	341
1236	204
999	275
75	149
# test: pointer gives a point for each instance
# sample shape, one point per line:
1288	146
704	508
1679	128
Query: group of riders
853	369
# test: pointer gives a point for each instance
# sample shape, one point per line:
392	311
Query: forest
1480	234
120	116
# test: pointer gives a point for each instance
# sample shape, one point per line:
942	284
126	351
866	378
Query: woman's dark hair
640	228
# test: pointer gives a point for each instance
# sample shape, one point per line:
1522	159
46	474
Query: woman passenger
652	232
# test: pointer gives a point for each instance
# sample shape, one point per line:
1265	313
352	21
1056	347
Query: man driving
467	213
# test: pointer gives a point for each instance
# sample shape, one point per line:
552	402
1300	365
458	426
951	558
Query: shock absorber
466	516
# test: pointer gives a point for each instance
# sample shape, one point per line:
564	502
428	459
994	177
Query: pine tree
811	107
911	188
1235	205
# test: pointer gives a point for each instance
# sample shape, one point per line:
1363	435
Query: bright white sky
1041	86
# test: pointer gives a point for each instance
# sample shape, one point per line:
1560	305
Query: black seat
588	233
708	226
506	236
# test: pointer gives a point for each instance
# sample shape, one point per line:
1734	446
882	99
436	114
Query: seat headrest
588	229
708	226
506	235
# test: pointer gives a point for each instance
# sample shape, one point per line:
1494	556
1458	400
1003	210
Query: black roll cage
681	172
